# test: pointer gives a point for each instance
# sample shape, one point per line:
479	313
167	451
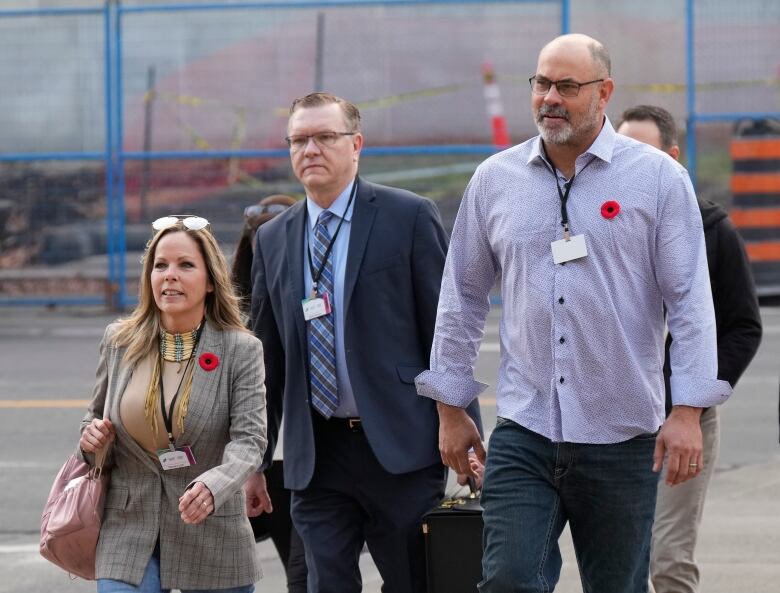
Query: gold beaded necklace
177	347
173	348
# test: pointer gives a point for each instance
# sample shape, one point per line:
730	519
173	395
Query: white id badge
315	307
180	457
563	250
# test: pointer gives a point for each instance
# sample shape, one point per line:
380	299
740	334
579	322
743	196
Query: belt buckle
354	424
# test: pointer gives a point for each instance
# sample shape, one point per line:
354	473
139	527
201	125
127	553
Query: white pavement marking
43	403
17	465
19	549
55	332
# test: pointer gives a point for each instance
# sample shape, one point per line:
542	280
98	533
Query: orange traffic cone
494	107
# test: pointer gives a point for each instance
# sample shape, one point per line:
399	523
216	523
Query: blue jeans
151	582
533	486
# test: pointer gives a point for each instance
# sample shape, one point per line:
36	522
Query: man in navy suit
345	289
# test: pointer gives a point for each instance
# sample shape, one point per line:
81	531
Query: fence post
119	159
690	94
112	287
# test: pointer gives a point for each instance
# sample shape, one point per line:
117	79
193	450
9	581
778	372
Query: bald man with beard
589	234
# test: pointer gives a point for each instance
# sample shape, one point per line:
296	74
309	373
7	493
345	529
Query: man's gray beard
566	136
561	136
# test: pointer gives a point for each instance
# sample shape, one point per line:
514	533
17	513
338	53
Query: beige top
131	407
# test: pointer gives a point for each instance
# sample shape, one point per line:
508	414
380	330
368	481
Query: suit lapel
294	255
205	386
362	220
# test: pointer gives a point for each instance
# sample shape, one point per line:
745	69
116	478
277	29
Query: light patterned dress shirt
582	344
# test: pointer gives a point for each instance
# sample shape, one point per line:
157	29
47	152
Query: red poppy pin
208	361
610	209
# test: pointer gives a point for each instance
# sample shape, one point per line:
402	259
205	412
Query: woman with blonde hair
184	382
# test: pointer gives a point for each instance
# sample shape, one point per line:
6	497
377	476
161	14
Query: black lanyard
316	275
168	415
564	196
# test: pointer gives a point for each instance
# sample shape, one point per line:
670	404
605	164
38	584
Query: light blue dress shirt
582	344
338	257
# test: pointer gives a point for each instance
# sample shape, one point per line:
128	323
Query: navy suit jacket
395	259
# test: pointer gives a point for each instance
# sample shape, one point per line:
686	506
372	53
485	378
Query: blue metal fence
115	157
114	20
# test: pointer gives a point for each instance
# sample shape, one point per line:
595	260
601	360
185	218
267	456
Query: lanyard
317	274
168	415
564	196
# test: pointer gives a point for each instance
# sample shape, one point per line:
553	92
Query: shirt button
561	379
560	300
562	340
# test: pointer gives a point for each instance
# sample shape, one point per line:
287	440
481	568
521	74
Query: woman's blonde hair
139	331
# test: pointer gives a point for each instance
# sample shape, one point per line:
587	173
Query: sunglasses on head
188	221
256	210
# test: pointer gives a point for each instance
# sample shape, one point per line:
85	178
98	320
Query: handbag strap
102	455
100	460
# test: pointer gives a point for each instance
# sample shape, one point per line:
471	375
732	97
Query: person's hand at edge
680	440
258	500
196	503
457	435
478	472
96	435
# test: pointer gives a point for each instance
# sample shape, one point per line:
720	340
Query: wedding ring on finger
694	465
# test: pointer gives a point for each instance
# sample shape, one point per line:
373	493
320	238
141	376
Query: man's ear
605	91
357	145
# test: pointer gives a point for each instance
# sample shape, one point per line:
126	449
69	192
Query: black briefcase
453	545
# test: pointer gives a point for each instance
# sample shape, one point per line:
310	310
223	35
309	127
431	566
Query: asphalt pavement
47	361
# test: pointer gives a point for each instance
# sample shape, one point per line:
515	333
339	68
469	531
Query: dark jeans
534	486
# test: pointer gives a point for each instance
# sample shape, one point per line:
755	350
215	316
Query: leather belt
350	424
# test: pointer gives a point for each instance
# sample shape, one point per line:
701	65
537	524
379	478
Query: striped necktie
322	343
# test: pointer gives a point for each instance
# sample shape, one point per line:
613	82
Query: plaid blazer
226	428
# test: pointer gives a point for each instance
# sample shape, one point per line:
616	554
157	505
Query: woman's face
179	282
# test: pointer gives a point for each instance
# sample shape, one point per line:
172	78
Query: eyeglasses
256	210
565	88
321	139
188	221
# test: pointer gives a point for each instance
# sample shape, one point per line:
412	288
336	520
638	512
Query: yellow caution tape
239	132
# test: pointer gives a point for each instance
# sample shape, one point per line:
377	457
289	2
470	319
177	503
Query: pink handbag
70	524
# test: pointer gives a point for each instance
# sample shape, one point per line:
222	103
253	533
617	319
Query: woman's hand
196	504
96	435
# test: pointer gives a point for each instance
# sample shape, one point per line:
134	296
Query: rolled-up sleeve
469	273
683	277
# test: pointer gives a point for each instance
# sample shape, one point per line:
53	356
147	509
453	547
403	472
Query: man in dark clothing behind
679	508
